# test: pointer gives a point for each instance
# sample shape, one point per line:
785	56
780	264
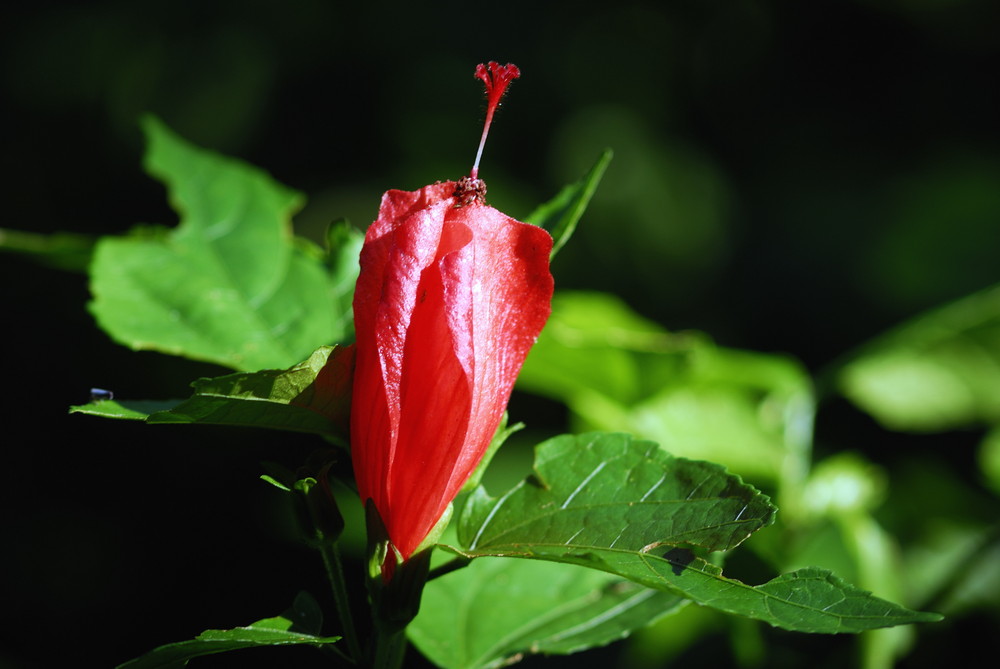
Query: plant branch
335	572
454	564
390	648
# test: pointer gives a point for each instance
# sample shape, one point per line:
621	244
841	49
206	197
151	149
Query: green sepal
438	530
394	585
561	214
279	476
318	513
499	437
267	478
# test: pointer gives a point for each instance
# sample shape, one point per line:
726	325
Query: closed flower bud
451	296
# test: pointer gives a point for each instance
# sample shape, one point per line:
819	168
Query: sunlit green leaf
617	371
493	610
313	396
610	490
594	342
230	284
625	507
561	214
843	484
841	534
344	243
124	409
936	372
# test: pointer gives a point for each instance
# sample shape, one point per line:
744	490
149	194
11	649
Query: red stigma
496	78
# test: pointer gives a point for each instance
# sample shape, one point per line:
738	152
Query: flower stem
390	649
335	572
451	565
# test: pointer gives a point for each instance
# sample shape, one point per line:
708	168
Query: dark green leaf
305	614
561	214
287	629
493	610
939	371
230	284
989	458
625	507
313	396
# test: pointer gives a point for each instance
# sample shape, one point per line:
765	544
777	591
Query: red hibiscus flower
451	296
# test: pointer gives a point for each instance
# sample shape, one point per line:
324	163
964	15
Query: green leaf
230	284
344	243
287	629
561	214
593	342
610	490
625	507
837	531
124	409
937	372
618	371
504	430
313	396
494	610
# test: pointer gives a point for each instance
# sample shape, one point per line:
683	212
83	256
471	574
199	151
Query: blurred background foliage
790	178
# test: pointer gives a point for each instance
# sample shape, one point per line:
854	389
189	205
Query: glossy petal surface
448	303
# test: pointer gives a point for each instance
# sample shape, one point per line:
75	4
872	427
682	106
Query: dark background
789	177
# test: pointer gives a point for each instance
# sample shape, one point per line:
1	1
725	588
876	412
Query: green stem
390	648
451	565
335	572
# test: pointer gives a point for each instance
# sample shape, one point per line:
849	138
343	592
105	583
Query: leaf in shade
494	610
313	396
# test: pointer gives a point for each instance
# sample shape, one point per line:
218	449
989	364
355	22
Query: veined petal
511	301
449	302
436	395
399	245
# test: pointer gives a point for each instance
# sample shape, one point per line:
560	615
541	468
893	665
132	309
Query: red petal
448	303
